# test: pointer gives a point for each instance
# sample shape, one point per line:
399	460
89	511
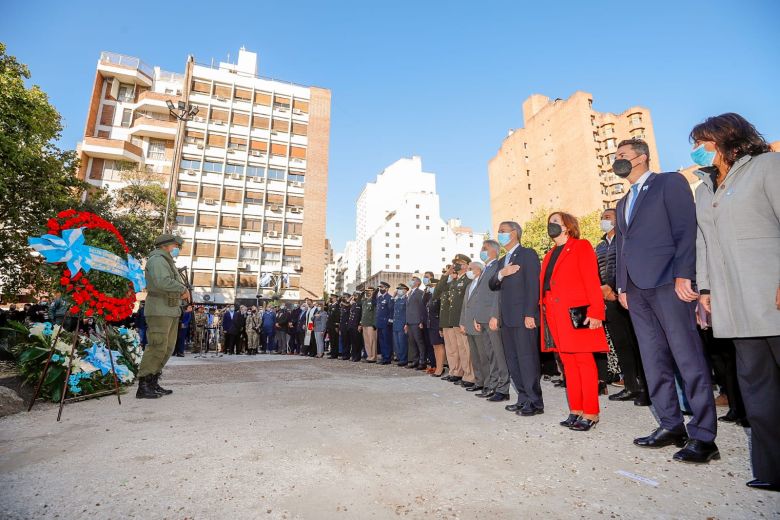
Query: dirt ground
284	438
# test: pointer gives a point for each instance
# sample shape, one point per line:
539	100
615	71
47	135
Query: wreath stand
63	400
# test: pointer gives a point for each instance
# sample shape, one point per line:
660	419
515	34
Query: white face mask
607	226
470	275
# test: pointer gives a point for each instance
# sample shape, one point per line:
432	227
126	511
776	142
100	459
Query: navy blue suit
655	247
384	313
400	342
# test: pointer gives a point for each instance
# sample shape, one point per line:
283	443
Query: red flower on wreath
85	295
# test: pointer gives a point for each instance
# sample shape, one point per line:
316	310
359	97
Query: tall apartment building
250	170
399	226
562	158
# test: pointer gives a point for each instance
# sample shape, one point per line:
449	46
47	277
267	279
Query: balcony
126	69
112	149
156	101
151	127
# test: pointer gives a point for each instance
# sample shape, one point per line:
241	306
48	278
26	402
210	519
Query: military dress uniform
253	325
164	288
201	320
346	339
368	324
400	342
334	318
384	324
355	313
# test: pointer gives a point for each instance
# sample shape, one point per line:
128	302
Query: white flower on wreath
36	329
63	347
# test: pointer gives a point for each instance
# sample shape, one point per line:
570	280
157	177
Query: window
397	266
271	256
528	173
529	187
387	255
417	206
187	190
255	171
237	143
126	93
397	224
253	197
293	228
418	226
185	219
398	235
225	279
427	217
188	164
295	178
234	169
212	167
530	200
252	224
417	217
387	234
127	117
275	175
428	228
156	150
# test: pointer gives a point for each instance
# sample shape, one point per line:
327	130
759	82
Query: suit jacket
519	293
468	311
227	321
238	324
486	301
399	313
415	307
574	283
659	244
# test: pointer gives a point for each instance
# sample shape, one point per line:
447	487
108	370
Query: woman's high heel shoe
582	424
573	418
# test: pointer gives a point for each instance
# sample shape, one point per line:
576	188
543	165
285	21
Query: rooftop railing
126	61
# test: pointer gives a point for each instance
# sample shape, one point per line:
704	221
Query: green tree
37	179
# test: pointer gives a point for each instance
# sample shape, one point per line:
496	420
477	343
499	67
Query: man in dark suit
384	325
517	277
656	270
415	318
227	330
238	330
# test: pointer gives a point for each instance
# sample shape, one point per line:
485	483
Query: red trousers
582	381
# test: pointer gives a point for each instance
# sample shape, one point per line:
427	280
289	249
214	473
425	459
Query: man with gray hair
489	342
517	280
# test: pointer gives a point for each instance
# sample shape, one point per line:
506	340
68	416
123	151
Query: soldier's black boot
146	388
157	388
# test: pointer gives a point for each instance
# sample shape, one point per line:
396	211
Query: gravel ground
280	437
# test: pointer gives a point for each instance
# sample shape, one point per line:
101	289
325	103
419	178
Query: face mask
607	226
401	292
622	168
554	230
426	280
175	252
431	289
382	291
412	284
504	238
702	157
470	275
457	268
483	256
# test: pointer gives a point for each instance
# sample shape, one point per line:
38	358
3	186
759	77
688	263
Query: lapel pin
645	188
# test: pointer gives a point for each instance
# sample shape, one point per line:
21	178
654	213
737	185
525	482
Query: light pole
183	112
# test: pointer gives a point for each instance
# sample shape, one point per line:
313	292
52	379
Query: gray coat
320	320
415	307
738	247
483	303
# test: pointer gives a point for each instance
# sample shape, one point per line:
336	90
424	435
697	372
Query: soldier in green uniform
165	292
455	342
368	324
201	320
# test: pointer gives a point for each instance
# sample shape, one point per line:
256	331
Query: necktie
632	202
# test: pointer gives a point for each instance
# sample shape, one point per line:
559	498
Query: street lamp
183	112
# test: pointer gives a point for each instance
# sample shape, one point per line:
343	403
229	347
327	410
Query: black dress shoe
470	387
527	410
764	486
571	419
455	379
402	364
422	367
513	407
698	452
561	383
486	392
662	437
582	425
497	397
642	399
624	395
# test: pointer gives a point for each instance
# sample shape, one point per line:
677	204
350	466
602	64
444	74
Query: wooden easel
63	400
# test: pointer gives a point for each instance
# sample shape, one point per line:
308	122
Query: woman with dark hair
572	314
738	269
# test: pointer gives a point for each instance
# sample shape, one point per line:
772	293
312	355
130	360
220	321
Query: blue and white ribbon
71	249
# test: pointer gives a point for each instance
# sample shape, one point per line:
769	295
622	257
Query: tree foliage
535	230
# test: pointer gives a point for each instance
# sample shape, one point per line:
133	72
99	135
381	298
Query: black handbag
578	316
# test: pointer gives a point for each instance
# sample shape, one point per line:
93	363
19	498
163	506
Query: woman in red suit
570	279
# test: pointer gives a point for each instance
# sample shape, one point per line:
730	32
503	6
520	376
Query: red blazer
575	282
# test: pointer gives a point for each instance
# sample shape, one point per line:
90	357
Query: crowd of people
680	297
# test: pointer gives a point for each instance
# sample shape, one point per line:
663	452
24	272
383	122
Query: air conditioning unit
220	98
256	179
209	202
218	122
200	147
199	119
231	150
297	111
274	132
256	153
276	208
295	210
178	92
296	184
246	267
190	172
273	234
282	109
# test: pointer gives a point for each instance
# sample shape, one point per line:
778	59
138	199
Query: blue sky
443	80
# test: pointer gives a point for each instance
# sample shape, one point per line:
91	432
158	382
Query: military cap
384	284
403	286
167	239
433	281
418	276
461	258
369	288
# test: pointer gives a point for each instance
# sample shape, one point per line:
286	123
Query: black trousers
521	349
230	343
346	341
758	369
626	347
333	334
417	350
723	358
356	347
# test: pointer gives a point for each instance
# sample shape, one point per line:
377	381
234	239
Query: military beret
403	286
167	239
461	258
384	284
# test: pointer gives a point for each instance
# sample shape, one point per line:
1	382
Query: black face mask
382	291
554	230
622	168
457	268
